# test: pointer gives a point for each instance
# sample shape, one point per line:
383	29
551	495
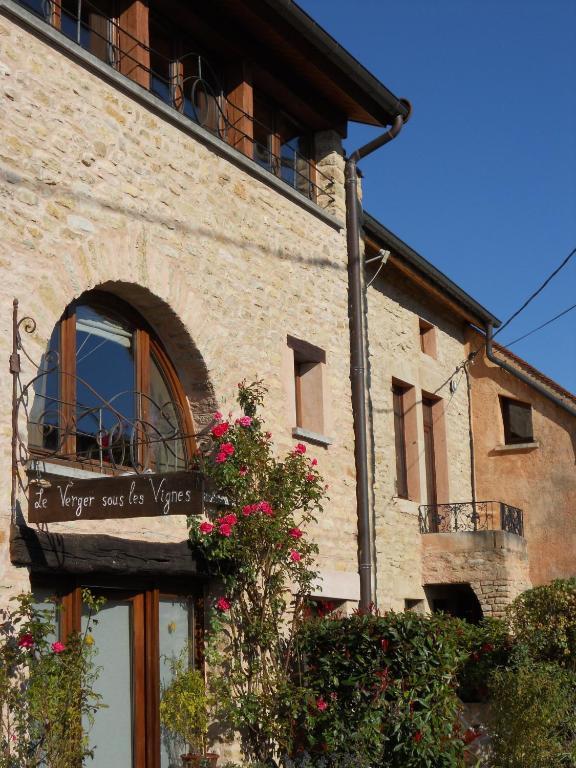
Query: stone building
525	451
172	221
442	539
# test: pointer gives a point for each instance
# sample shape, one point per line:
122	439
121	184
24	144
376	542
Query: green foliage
543	621
184	703
534	709
487	646
46	690
259	547
380	690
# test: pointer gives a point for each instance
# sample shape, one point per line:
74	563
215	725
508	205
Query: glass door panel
112	731
175	616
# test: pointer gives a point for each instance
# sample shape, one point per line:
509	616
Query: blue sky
482	181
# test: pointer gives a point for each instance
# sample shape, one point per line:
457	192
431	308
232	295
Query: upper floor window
517	419
107	394
427	338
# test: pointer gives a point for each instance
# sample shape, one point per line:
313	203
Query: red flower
225	529
321	705
220	429
205	527
295	556
220	457
58	647
300	448
487	647
243	471
247	509
471	735
296	533
384	644
265	508
26	641
228	520
223	604
217	416
227	448
314	462
244	421
417	737
310	478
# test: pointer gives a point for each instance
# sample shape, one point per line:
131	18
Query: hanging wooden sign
64	499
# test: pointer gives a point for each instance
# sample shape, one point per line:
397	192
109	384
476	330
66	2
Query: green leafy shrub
46	689
543	621
380	690
184	704
534	711
486	646
259	547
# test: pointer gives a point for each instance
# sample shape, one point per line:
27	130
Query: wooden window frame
398	407
147	346
509	438
428	338
307	357
436	460
409	439
145	599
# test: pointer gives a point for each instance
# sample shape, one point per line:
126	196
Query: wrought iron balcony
189	85
471	516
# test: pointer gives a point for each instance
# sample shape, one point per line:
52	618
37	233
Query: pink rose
314	462
220	429
247	509
310	478
220	457
300	448
26	641
223	604
217	416
295	556
296	533
228	520
244	421
321	705
225	529
265	508
227	449
58	647
268	435
243	471
205	527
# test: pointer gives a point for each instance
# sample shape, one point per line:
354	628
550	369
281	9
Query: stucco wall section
394	308
97	190
540	480
494	563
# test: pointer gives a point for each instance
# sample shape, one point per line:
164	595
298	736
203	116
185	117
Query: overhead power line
552	319
536	292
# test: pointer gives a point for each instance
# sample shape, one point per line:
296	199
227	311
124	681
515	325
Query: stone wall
99	190
494	563
394	307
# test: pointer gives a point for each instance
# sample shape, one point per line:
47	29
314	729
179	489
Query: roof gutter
358	354
522	376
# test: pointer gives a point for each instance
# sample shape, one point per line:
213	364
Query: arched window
108	397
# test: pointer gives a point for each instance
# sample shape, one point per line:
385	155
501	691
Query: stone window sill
312	437
517	447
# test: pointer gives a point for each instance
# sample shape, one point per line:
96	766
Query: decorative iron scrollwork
470	516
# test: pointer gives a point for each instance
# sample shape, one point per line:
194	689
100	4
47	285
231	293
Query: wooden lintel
82	554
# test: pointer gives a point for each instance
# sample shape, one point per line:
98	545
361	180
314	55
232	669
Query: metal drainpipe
522	376
358	357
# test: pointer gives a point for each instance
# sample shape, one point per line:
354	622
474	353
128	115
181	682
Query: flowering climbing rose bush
257	543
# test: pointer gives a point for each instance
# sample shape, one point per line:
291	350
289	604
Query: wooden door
429	452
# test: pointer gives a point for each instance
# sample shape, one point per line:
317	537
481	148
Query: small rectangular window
427	338
517	419
398	394
308	391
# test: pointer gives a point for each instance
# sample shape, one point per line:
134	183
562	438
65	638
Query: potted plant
184	712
